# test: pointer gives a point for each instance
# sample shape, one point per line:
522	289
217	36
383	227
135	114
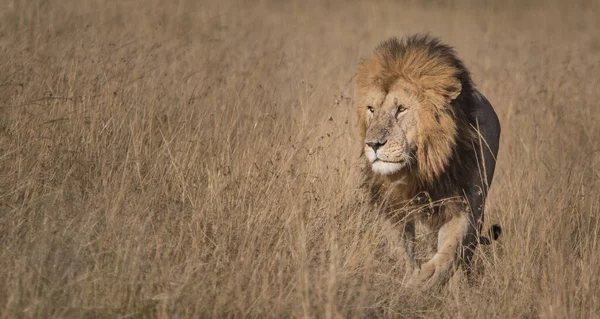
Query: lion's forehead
402	92
374	97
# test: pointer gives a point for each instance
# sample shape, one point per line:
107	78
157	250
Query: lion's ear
453	90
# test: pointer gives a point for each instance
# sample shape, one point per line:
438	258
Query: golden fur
414	100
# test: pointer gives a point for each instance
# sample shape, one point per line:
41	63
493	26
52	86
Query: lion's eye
371	109
400	109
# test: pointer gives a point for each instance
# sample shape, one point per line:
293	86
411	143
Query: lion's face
392	130
407	128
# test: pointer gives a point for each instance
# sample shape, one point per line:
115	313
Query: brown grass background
198	159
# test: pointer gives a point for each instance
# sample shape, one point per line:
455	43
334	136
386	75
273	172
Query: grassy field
198	159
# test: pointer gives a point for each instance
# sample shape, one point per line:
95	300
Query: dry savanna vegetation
198	159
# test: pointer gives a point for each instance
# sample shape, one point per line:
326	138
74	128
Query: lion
429	142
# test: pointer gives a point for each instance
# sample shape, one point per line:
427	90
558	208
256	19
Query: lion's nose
376	144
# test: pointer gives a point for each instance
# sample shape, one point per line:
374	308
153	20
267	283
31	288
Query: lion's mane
445	147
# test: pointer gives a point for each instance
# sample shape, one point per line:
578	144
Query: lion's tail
494	233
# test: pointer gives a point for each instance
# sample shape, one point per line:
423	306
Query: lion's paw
427	272
428	276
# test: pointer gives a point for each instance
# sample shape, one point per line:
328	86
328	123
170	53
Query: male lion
430	143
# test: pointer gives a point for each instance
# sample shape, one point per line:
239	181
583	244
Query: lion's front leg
455	241
408	241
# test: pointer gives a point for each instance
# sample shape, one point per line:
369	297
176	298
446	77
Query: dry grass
184	159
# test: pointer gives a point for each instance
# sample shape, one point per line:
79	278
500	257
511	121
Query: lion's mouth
384	161
387	167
